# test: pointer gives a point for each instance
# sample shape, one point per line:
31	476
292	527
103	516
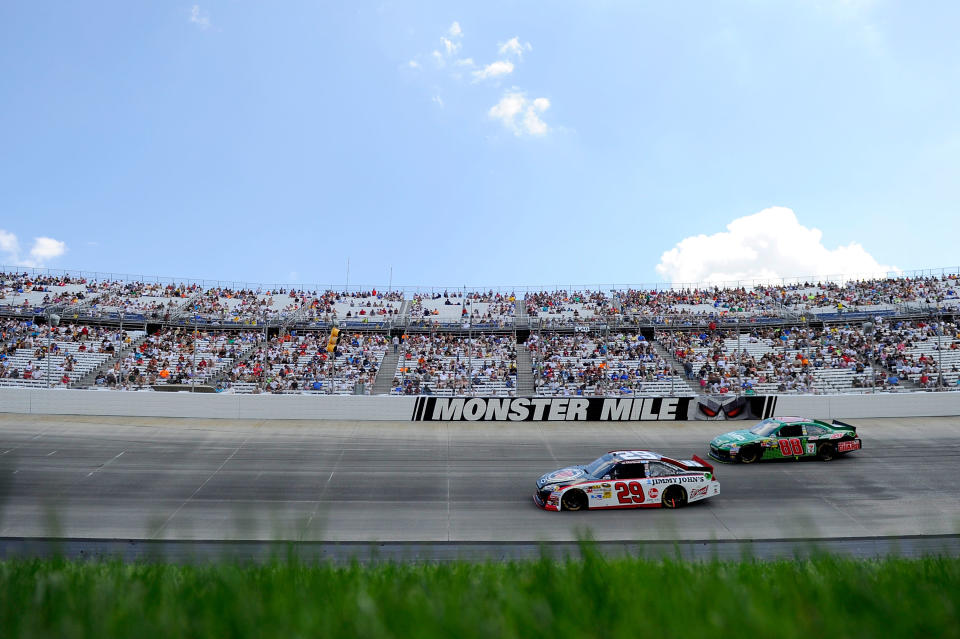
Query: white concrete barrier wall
876	405
386	408
204	405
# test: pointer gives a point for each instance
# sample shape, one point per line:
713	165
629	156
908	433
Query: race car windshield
765	427
598	466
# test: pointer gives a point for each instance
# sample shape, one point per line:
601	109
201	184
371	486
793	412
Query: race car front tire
574	500
749	454
826	452
674	497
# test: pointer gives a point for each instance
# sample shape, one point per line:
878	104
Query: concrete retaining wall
385	408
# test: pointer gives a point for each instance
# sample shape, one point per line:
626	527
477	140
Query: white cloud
494	70
47	248
519	114
43	250
199	18
9	243
450	46
514	47
768	245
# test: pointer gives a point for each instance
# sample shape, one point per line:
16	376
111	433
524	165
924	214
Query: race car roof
635	455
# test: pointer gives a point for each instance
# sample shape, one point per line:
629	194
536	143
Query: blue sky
543	143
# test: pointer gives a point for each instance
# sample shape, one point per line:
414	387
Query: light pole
939	347
52	320
469	340
739	357
193	377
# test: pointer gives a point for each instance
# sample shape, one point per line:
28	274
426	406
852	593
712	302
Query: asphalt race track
442	485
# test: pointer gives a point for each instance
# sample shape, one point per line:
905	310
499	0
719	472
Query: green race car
786	437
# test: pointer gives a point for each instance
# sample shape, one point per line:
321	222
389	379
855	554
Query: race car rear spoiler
700	462
837	422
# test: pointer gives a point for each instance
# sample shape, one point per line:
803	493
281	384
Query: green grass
581	599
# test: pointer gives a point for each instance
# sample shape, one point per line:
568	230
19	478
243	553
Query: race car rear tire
574	500
674	497
826	452
749	454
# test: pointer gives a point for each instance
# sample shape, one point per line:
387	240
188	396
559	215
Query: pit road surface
179	479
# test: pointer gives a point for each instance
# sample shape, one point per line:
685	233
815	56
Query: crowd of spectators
927	353
456	365
584	364
569	307
28	351
176	356
880	349
878	354
220	304
482	309
302	364
364	307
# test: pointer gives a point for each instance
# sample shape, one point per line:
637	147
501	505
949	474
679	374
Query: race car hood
736	438
563	476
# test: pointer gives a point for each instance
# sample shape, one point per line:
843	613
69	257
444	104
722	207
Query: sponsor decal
683	479
844	447
811	449
652	493
698	492
570	409
566	473
607	494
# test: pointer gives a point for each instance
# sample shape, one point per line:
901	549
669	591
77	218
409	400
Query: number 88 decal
629	493
790	447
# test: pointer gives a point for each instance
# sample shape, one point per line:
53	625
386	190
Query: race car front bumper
548	502
722	455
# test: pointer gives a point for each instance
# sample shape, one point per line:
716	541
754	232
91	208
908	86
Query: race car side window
814	430
791	430
659	469
629	471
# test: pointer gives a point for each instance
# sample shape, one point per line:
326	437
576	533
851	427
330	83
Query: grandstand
118	332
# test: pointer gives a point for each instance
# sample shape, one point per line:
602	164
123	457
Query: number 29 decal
629	492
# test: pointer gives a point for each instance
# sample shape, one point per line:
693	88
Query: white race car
627	479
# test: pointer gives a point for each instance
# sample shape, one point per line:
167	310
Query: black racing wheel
749	454
574	500
826	452
674	497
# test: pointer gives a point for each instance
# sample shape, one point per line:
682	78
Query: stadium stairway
676	365
524	372
88	380
521	319
242	356
388	368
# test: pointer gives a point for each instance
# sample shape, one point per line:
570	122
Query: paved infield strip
444	483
